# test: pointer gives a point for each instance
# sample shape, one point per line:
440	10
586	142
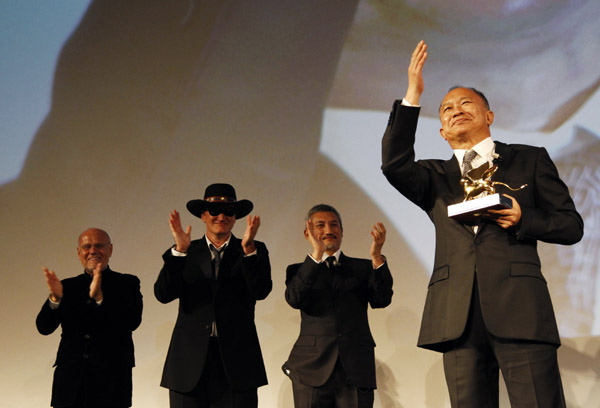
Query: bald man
98	310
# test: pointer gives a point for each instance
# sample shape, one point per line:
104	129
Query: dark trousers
86	397
335	393
213	389
530	369
95	406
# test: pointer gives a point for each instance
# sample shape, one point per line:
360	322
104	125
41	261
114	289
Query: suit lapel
230	256
204	259
505	155
453	175
342	270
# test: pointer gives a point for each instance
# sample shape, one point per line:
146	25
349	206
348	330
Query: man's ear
489	117
204	218
443	134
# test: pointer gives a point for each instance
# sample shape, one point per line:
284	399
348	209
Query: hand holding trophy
480	194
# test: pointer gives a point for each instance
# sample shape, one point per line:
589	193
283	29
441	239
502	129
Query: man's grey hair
478	92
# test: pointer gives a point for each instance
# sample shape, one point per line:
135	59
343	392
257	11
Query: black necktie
331	262
217	253
467	161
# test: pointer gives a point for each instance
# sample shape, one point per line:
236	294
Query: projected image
533	60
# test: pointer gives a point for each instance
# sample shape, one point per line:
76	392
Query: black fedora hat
220	195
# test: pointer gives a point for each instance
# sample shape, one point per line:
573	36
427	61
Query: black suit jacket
96	346
514	296
229	301
333	309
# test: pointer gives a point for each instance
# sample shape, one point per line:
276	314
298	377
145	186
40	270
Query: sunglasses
226	211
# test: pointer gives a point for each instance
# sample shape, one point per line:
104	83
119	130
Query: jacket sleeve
554	218
380	286
398	156
256	270
299	281
47	320
169	284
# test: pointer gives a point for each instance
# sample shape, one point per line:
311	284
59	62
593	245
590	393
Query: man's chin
90	267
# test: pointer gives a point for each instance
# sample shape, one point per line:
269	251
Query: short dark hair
324	208
478	92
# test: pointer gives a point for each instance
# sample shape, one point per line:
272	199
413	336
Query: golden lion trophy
480	194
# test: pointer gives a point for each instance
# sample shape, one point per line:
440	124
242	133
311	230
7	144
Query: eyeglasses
226	211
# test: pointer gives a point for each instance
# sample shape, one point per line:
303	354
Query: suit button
87	336
339	335
86	356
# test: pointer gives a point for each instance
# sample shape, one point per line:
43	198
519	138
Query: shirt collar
209	243
336	254
484	149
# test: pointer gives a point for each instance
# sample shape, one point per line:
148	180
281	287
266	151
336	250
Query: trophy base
469	211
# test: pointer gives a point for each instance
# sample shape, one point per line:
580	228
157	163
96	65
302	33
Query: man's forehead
459	94
324	216
94	236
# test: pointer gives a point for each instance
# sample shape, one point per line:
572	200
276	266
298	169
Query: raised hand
251	229
415	74
182	238
96	285
378	234
54	284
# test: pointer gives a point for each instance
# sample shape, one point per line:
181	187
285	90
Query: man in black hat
214	359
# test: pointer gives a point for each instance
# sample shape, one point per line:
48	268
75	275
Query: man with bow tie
332	363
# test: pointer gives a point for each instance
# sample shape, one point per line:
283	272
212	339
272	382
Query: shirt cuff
53	304
175	252
311	257
384	261
407	103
